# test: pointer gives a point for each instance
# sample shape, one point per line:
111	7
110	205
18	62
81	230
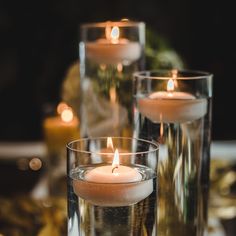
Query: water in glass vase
126	209
183	167
106	99
110	52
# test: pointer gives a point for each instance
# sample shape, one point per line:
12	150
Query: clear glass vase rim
104	24
153	143
190	74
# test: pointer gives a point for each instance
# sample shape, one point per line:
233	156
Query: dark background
39	41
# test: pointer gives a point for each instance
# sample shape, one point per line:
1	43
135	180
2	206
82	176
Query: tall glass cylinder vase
109	54
174	107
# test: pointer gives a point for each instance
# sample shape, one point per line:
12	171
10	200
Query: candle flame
116	160
112	34
110	143
170	85
115	34
61	107
67	115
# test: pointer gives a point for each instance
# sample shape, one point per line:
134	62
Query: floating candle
113	49
113	185
172	106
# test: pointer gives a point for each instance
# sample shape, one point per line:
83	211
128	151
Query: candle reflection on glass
107	153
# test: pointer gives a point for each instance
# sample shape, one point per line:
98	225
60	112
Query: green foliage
159	54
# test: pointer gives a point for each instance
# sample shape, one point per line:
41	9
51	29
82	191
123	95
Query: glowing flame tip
61	107
67	115
115	34
170	85
116	160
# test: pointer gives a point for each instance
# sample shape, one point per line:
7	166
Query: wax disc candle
180	107
113	185
172	106
113	49
103	51
108	189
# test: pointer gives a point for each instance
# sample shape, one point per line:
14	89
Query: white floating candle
113	49
171	106
113	185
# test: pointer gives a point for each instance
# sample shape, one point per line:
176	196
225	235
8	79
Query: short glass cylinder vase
112	186
109	54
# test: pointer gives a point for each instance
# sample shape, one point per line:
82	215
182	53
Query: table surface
26	208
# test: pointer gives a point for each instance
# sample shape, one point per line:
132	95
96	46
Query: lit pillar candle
60	129
172	106
112	49
113	185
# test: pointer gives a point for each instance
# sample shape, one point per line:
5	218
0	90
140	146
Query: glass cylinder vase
109	54
112	187
174	107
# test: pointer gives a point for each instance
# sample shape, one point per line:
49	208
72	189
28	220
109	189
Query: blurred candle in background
113	48
58	130
61	128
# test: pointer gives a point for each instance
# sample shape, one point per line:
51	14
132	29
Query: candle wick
116	167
